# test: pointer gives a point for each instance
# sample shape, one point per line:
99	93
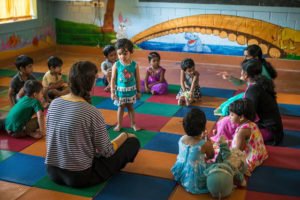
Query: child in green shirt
19	121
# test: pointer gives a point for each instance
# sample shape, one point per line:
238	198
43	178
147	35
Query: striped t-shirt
75	131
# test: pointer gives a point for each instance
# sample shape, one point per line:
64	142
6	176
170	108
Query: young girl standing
193	151
124	87
155	76
189	81
247	136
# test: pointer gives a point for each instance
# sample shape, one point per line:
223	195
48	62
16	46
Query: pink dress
255	148
153	77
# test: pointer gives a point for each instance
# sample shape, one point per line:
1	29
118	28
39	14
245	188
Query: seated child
193	151
54	85
189	81
155	82
110	54
247	136
24	67
19	121
227	171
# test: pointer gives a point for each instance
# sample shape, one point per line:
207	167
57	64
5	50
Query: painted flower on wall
35	41
13	41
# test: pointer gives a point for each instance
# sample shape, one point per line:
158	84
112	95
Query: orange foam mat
152	163
288	98
11	191
180	194
174	125
110	116
212	102
37	149
36	193
5	81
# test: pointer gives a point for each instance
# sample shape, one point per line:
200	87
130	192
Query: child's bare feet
152	92
181	101
107	89
117	128
135	128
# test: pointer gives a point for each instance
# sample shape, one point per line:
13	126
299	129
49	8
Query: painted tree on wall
108	25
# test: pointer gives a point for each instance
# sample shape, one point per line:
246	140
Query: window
17	10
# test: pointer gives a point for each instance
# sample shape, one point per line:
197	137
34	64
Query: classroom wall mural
275	41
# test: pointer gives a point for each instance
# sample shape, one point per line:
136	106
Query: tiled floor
23	175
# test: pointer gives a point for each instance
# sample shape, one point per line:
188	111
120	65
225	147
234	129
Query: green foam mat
144	136
158	109
96	100
7	72
174	89
46	183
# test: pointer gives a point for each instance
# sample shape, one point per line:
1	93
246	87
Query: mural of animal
194	44
122	33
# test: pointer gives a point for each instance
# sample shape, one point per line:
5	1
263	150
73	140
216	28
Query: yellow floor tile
110	116
5	81
212	102
37	149
152	163
288	98
11	191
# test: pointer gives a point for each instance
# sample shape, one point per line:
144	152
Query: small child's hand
113	96
224	75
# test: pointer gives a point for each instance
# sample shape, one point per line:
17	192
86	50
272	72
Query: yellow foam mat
11	191
212	102
37	149
288	98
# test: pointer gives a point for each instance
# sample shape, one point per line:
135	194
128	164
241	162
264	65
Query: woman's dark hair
194	122
187	63
153	55
243	107
23	61
32	86
255	51
253	69
124	44
108	49
54	61
82	79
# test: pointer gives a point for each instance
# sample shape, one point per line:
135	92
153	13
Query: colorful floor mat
23	174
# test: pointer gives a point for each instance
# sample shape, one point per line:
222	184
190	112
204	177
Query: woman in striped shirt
79	152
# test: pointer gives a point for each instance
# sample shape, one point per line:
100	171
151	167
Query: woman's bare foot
36	135
107	89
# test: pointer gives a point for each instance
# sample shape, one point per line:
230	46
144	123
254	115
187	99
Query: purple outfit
153	77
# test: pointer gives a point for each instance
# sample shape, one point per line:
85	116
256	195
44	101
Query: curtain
16	9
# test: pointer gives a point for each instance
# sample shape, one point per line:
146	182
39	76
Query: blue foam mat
23	169
125	186
109	104
291	139
275	180
289	109
217	92
209	112
164	142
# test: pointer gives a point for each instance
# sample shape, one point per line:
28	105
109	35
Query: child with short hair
125	87
155	82
19	121
189	82
110	54
54	85
194	149
24	66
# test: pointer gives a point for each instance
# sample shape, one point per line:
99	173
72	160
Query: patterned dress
255	149
125	83
154	77
189	167
188	83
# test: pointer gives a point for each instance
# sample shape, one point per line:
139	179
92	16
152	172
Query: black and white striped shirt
75	131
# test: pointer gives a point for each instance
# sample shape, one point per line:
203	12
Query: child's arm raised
137	81
113	82
41	121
